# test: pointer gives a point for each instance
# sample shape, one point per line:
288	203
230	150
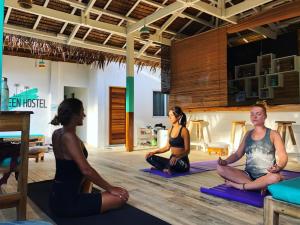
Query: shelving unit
144	136
245	70
264	64
266	93
286	64
275	80
260	79
252	87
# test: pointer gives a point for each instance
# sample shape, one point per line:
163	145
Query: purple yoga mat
195	167
166	175
253	198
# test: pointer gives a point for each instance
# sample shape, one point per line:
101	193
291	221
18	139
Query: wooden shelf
269	79
245	70
264	64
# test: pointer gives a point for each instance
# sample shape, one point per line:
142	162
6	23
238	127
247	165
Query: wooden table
273	208
17	121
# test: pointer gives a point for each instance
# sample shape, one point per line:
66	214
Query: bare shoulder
68	137
274	134
55	133
184	131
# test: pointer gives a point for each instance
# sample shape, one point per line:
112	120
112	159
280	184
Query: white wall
145	82
52	79
23	71
220	124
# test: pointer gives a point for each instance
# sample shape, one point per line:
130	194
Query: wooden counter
274	108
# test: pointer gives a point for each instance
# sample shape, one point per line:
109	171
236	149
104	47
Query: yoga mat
253	198
128	215
195	167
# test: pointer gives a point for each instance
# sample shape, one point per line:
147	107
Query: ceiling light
245	40
27	4
145	33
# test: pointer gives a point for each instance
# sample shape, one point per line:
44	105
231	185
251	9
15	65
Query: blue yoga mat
195	167
253	198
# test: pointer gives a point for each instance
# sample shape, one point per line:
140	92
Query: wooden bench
273	208
221	149
37	152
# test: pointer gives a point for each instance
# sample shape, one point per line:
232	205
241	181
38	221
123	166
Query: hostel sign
27	99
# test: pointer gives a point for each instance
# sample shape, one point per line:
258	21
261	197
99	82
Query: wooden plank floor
177	200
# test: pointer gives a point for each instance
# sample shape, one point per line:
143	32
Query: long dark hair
66	110
177	111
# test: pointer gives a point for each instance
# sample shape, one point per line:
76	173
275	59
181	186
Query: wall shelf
263	79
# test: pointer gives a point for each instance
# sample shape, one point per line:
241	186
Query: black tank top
68	170
68	175
178	141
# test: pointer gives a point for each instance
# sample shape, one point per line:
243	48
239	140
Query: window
160	104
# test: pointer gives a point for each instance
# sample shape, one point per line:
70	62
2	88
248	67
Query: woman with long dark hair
68	196
178	143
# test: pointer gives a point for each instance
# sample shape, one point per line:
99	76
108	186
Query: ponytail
55	121
182	120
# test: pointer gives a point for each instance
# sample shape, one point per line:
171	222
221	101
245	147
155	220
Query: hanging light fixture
145	33
27	4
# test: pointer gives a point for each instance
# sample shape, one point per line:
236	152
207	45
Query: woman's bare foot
235	185
152	168
168	171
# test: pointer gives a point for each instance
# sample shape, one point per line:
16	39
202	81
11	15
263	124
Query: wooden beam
174	7
73	19
244	6
279	13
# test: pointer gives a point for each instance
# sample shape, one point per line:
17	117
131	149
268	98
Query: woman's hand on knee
149	154
173	161
222	162
275	169
122	193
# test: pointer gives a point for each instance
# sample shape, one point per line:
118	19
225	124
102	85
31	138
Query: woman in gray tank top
260	146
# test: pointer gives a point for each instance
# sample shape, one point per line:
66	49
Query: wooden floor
177	200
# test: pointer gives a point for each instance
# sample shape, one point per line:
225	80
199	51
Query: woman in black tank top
69	195
179	144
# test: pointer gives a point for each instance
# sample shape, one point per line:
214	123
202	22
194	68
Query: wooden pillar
1	43
129	92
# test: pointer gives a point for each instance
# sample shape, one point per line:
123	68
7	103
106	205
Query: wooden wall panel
199	71
117	115
298	42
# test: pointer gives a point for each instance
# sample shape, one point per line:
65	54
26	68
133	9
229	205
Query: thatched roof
61	25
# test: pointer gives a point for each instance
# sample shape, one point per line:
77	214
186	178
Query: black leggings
161	163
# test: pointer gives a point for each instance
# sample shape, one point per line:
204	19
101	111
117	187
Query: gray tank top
260	155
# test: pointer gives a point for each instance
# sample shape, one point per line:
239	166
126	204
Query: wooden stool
273	207
221	149
241	123
37	152
281	128
200	125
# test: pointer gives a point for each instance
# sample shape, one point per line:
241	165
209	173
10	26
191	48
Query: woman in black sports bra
69	195
179	144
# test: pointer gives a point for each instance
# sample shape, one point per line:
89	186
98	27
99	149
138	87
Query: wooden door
117	115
